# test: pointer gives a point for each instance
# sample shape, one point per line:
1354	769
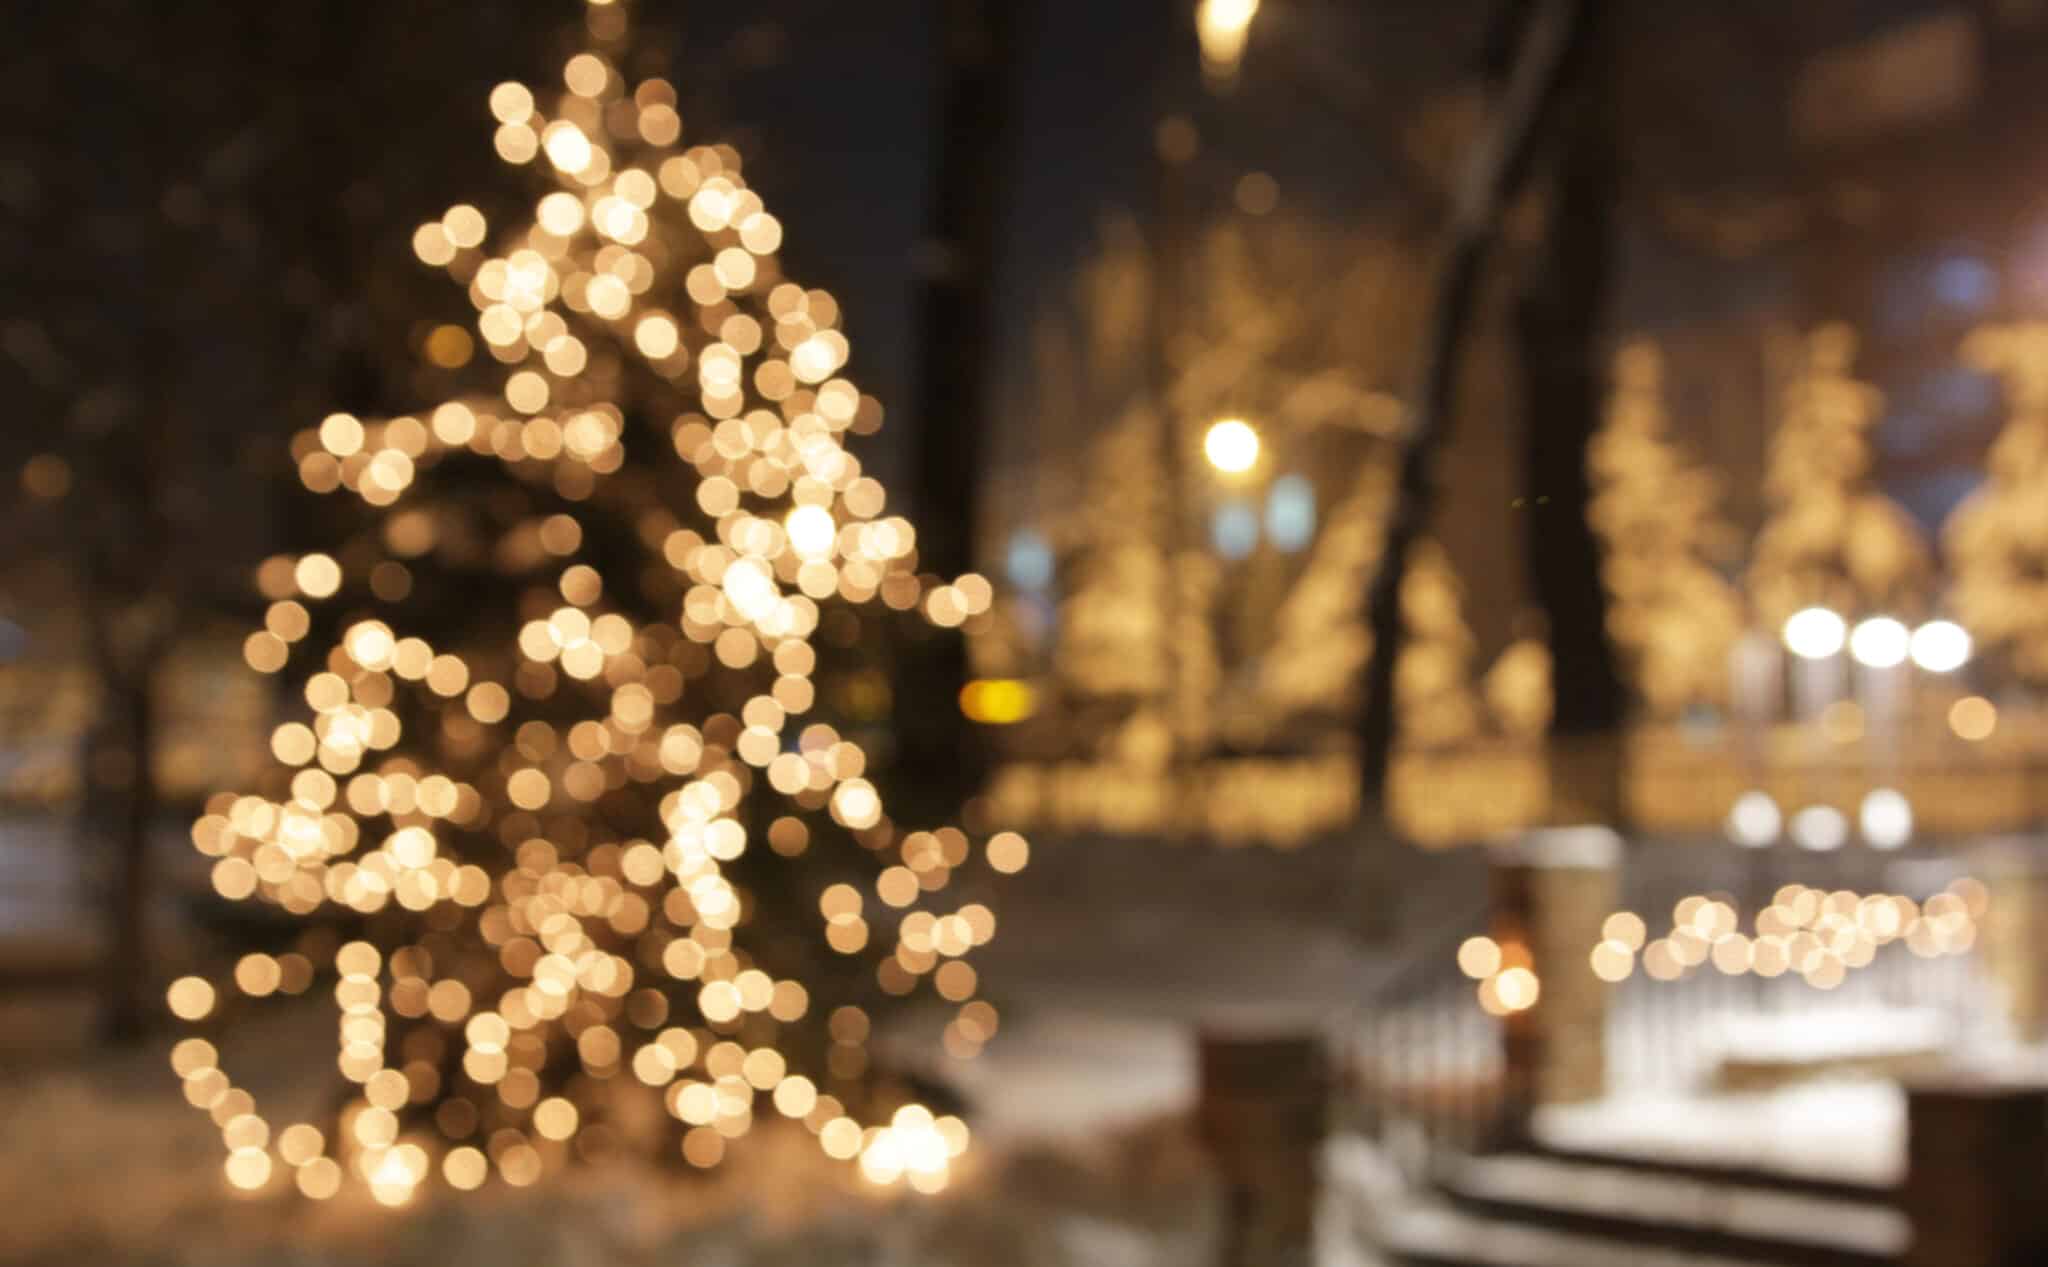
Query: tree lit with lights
549	799
1997	541
1831	539
1658	518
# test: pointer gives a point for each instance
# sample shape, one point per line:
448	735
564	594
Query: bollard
1552	890
1976	1168
2017	871
1262	1113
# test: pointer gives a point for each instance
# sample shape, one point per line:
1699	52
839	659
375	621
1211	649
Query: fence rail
1427	1063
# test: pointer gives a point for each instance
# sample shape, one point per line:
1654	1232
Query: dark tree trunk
941	760
1544	40
124	1013
1558	336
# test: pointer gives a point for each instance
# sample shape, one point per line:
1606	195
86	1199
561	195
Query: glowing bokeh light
1231	445
1814	633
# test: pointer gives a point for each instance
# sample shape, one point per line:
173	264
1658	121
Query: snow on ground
1860	1033
1055	1076
104	1164
1852	1130
1619	1191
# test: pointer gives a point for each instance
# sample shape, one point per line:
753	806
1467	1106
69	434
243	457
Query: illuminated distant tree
1997	541
1273	334
1112	619
1320	644
1672	611
558	748
1441	701
1831	539
1264	643
1434	699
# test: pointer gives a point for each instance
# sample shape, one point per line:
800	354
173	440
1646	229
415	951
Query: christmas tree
1997	541
558	797
1468	764
1267	646
1434	699
1673	612
1831	539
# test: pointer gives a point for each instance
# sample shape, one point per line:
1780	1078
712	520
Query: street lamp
1222	26
1231	445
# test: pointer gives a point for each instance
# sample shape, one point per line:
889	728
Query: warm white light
1754	820
1820	828
1941	646
568	149
1887	818
1814	633
1222	25
1231	446
811	531
1879	643
1517	989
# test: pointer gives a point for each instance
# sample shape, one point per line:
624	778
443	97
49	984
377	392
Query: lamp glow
1887	818
1815	633
1754	820
1222	26
1231	446
1820	828
1879	643
1941	646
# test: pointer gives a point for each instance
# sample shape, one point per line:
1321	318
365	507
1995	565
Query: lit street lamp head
1222	26
1231	446
1940	646
1815	633
1879	643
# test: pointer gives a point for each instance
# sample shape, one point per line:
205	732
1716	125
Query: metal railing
1425	1062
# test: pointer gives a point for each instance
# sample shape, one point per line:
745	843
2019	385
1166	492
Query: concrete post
1552	890
2016	871
1976	1168
1263	1113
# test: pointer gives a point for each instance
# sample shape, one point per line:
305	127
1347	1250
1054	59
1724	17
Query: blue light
1234	529
1964	281
13	640
1291	513
1028	562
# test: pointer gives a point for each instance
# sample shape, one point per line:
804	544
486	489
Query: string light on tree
555	687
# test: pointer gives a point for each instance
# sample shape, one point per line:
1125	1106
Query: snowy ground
1851	1130
104	1164
1105	966
1107	962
